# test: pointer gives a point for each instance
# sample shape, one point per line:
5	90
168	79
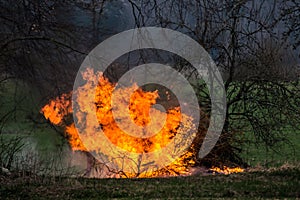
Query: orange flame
226	170
139	107
74	139
57	109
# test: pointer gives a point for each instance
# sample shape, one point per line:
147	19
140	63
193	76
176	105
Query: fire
57	109
140	109
147	119
116	124
74	139
226	170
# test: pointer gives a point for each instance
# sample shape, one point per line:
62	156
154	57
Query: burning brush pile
141	112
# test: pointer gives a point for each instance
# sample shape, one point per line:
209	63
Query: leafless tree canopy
43	43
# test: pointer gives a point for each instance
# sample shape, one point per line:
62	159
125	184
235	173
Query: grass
258	154
18	101
278	183
267	104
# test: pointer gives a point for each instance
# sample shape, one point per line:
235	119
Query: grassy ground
278	183
259	155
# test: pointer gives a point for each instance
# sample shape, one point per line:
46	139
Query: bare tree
241	36
291	14
36	46
245	39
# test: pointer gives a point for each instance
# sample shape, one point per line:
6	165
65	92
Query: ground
283	182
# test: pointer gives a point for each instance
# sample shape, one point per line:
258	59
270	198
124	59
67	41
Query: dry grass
282	182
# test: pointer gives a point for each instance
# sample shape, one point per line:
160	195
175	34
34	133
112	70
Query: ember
226	170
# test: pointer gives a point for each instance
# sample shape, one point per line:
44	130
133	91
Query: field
282	182
271	175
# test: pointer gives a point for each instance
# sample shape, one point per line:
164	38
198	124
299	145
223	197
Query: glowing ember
226	170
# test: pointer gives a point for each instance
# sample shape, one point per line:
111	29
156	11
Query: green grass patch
18	102
256	154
